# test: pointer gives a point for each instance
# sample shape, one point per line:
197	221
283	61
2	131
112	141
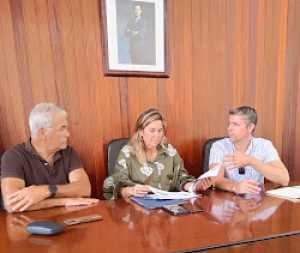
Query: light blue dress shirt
259	148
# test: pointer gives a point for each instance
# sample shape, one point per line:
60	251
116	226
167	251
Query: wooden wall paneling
57	51
270	45
296	54
201	77
19	26
46	55
113	112
123	93
222	54
103	111
86	119
4	13
250	89
12	110
109	110
169	87
291	118
218	89
70	89
260	57
107	102
281	64
70	39
78	86
142	95
179	106
106	122
266	107
38	50
244	57
241	45
229	69
212	78
296	168
1	149
291	90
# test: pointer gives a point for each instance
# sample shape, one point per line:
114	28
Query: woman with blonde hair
148	160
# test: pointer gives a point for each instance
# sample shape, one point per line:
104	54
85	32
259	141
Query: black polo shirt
23	162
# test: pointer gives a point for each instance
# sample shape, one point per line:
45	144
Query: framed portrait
135	37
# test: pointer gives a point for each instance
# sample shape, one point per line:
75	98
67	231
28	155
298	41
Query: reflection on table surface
288	244
127	227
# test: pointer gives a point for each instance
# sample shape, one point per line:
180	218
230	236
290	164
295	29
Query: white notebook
159	194
292	192
211	172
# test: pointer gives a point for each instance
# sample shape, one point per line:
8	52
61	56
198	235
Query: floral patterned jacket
166	172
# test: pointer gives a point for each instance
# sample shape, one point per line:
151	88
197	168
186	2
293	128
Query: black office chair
206	152
1	202
113	149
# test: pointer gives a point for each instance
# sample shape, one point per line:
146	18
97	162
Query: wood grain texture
291	118
156	231
222	54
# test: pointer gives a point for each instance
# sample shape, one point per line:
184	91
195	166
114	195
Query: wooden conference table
228	220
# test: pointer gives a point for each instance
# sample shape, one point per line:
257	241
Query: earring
140	138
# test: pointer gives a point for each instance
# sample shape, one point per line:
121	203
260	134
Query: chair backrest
1	202
206	152
113	149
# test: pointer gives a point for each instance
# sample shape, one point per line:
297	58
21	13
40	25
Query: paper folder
149	204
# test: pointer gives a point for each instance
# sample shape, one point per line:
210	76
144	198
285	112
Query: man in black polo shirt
44	172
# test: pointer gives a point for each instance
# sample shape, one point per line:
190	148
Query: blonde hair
136	141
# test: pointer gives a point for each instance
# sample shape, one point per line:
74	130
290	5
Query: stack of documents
212	172
160	198
149	203
290	193
159	194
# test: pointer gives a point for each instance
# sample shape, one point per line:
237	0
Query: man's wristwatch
52	190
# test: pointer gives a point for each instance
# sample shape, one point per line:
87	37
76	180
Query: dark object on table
44	228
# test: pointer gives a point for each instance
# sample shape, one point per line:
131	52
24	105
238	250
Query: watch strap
52	190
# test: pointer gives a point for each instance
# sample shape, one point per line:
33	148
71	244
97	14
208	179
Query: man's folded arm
17	197
79	185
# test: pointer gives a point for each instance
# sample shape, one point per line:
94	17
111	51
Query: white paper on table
160	194
285	192
212	172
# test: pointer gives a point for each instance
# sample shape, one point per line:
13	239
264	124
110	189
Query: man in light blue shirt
246	160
